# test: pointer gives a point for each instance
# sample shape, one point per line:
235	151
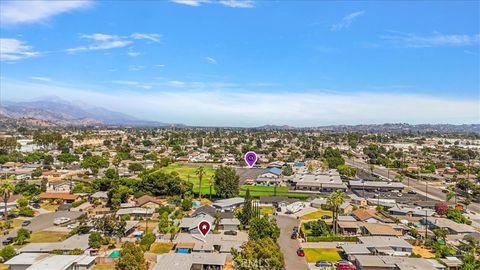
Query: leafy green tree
346	170
22	236
247	212
259	254
67	158
334	200
287	170
94	163
333	157
136	167
95	240
263	227
200	172
187	201
7	253
22	202
131	258
226	182
147	240
164	223
159	183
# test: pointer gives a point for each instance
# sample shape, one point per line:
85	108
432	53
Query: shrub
26	212
147	241
79	202
7	253
332	238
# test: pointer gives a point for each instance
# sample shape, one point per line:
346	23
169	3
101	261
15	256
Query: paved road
419	186
288	246
43	222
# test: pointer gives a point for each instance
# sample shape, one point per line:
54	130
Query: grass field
257	191
47	236
104	266
160	248
187	173
316	215
316	254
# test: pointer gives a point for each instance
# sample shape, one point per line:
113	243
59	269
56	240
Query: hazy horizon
249	63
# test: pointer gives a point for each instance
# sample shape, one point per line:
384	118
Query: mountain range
56	112
53	111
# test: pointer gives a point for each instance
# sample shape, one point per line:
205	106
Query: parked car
36	206
26	223
345	265
412	192
300	252
325	217
293	236
323	264
230	233
61	220
11	216
7	241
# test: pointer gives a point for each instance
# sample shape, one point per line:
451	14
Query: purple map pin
250	158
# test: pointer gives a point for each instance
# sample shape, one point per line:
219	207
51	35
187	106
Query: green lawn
160	248
316	215
267	210
317	254
187	173
47	236
257	191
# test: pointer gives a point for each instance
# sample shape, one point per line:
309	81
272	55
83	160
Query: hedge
332	238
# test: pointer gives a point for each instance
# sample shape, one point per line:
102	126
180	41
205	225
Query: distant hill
53	111
275	127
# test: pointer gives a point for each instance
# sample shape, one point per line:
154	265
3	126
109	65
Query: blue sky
247	63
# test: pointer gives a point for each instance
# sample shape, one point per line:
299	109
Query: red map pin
204	227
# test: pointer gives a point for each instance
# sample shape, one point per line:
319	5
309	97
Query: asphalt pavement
289	246
43	222
417	185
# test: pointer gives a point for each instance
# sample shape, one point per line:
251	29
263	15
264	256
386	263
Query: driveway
43	222
288	246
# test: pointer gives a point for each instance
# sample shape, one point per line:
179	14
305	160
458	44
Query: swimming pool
183	250
114	254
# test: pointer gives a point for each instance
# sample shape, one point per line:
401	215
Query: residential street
43	221
419	186
288	246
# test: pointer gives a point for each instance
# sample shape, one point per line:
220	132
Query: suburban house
71	243
229	204
368	262
369	216
60	186
149	202
179	261
66	197
400	210
383	245
380	229
39	261
136	212
190	224
444	223
229	224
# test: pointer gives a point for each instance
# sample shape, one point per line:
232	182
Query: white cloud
13	49
151	37
410	40
210	60
220	106
228	3
43	79
105	41
133	53
132	83
136	68
346	21
160	66
24	12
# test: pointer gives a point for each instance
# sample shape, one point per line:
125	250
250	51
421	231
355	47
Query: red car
300	252
346	265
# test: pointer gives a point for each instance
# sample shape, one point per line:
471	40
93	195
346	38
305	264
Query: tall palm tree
6	190
200	172
334	200
451	193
